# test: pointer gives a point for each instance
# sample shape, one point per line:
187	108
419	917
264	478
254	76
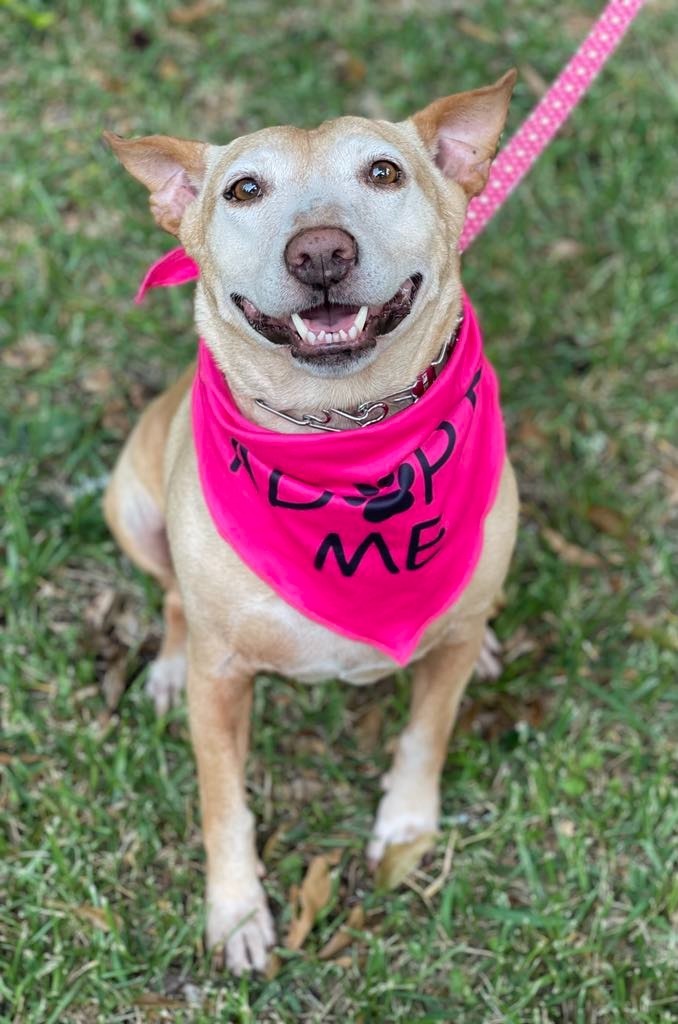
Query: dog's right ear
171	169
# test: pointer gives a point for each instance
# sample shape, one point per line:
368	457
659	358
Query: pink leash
532	138
512	163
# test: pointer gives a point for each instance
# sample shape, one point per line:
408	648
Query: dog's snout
321	256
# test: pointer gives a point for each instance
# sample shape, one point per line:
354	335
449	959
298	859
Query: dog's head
323	248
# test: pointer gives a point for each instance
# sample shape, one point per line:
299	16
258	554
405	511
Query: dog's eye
384	172
243	190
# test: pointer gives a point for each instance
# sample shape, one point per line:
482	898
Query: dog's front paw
400	820
166	680
243	927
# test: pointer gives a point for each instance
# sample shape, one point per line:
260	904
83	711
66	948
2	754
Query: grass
559	797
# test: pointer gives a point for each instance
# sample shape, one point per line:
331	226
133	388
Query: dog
328	303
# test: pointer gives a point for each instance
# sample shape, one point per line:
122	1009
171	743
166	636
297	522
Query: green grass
559	790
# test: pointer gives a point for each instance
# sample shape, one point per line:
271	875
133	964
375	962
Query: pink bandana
373	532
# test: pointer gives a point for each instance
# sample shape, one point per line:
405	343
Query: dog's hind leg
167	674
134	511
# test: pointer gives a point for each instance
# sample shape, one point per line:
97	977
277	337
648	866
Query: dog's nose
321	256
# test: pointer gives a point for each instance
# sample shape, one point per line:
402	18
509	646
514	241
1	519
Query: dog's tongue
329	318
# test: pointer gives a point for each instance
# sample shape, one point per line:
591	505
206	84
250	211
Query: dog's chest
273	636
242	614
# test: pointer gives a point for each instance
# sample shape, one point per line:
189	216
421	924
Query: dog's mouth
331	331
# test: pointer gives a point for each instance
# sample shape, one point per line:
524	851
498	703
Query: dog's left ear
462	131
171	169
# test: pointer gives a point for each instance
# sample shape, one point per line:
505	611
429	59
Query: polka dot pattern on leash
549	115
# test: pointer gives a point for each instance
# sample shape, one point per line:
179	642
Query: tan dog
260	216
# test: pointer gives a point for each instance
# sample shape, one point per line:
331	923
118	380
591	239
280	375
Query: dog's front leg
411	805
219	710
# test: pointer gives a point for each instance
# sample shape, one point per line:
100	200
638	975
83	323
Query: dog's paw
396	823
243	928
166	680
488	665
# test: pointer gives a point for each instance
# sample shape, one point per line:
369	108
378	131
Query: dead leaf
31	352
343	961
535	83
114	84
139	394
305	787
97	916
669	469
401	858
668	449
352	70
570	553
529	433
490	721
368	729
186	14
662	630
519	643
436	885
310	744
114	682
169	70
564	249
97	612
272	843
371	104
495	715
578	25
475	31
533	711
86	693
6	758
97	381
313	895
116	416
154	1001
273	966
47	590
607	520
129	628
565	827
342	937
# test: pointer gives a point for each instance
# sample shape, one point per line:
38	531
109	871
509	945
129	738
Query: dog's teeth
359	321
353	333
322	336
300	326
343	335
310	336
